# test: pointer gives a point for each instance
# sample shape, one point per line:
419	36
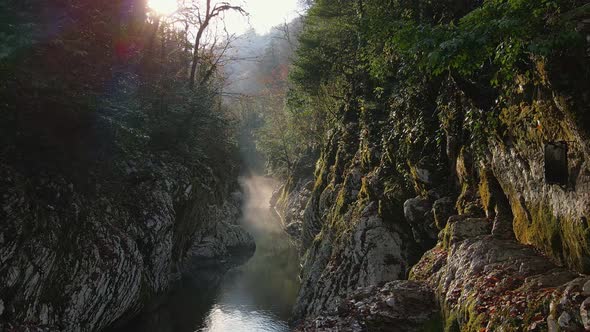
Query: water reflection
242	319
257	296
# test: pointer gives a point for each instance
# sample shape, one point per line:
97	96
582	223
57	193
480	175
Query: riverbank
256	294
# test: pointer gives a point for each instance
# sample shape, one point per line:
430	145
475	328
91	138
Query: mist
257	215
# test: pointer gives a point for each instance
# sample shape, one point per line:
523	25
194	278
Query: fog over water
257	296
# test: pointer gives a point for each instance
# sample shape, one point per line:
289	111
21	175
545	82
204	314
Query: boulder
443	209
403	306
483	279
418	213
459	228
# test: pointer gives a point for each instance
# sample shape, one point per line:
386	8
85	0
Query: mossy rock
565	239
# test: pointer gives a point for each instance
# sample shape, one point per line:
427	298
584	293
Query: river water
256	296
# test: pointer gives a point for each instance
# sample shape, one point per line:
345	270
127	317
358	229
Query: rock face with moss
79	254
289	200
365	229
354	230
456	174
362	227
397	306
485	283
551	217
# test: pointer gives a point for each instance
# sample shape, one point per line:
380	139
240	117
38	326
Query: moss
283	199
418	187
451	323
472	313
366	155
337	215
446	235
537	121
564	239
463	198
530	123
469	310
320	173
365	192
539	305
469	200
485	194
341	202
436	324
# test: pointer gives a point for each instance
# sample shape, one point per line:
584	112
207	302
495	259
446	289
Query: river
255	297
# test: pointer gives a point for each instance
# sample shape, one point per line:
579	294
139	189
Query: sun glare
163	7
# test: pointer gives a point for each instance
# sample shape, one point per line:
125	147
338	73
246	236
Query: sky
263	14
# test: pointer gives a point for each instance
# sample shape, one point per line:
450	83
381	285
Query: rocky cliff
289	199
411	188
81	248
115	175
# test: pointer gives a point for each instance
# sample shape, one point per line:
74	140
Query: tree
202	18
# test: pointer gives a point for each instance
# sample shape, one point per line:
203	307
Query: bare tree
285	34
203	17
217	60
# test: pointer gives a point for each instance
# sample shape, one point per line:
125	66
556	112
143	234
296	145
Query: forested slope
436	118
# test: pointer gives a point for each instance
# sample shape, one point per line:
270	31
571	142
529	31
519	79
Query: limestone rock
442	210
509	277
82	257
461	228
368	254
403	306
222	240
585	313
418	213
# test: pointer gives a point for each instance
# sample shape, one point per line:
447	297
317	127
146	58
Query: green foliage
396	55
325	60
328	45
500	35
